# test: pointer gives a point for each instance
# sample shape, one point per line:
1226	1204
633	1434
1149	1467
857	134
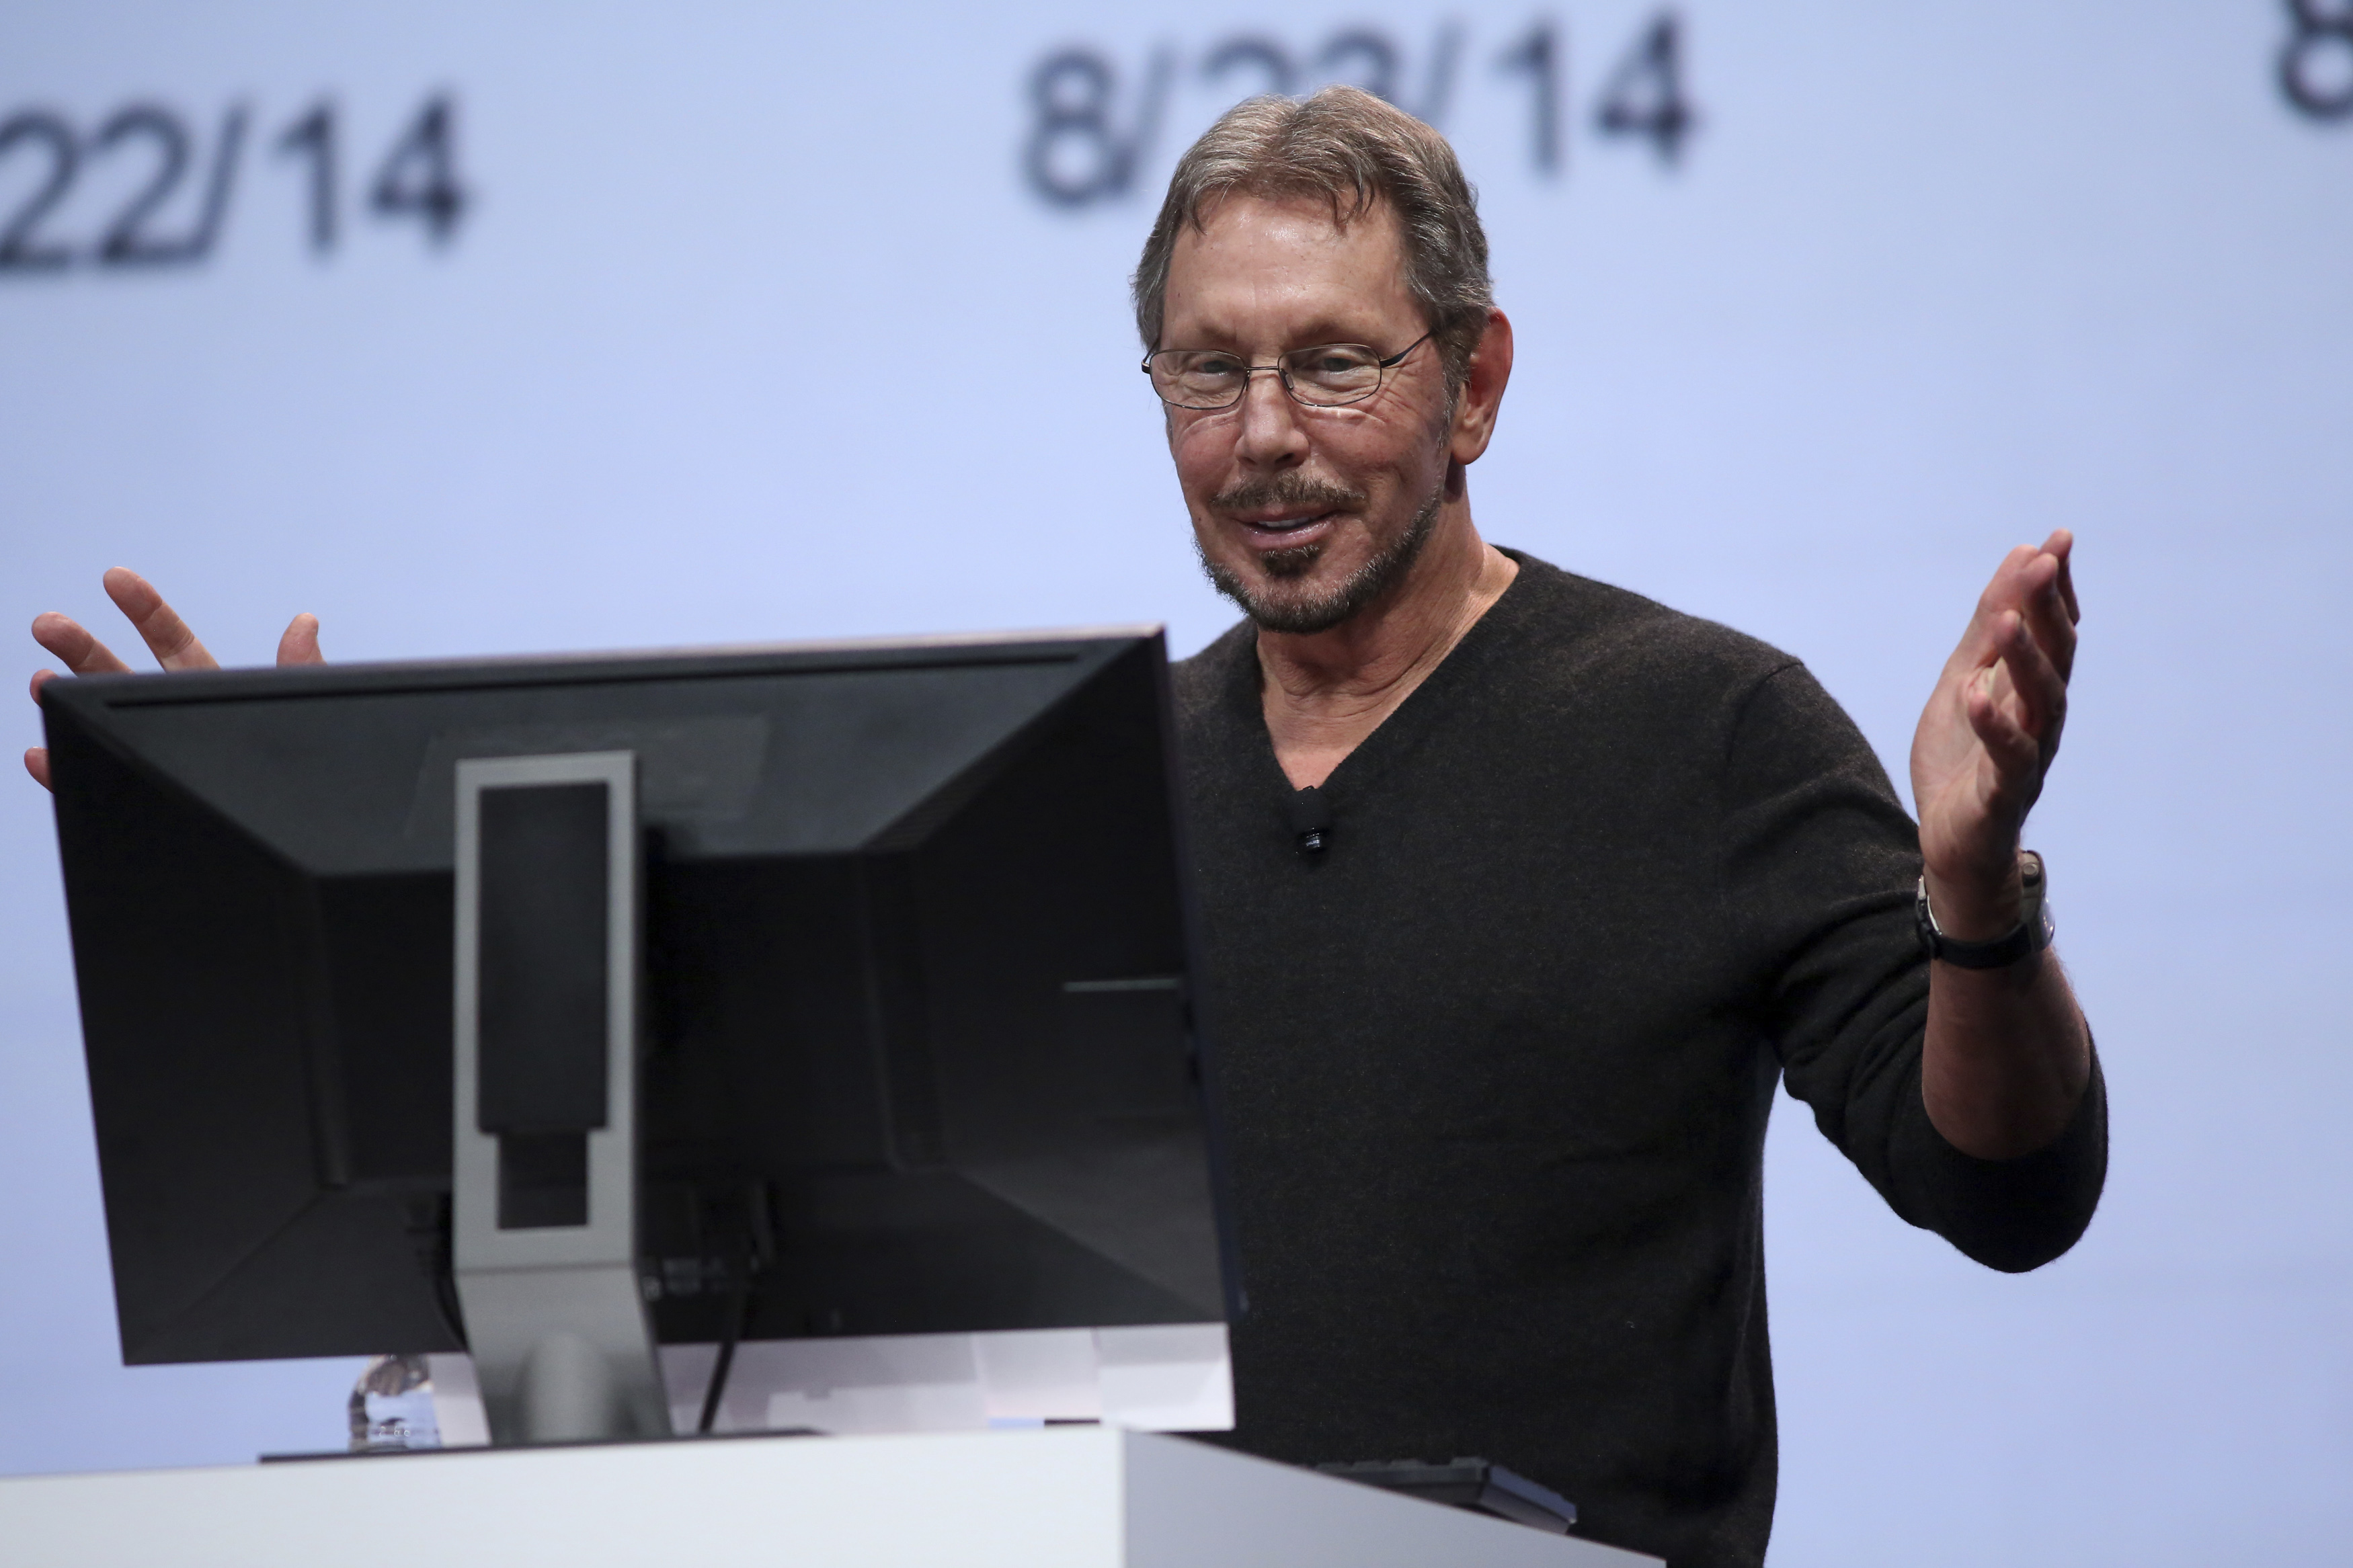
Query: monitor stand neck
544	1163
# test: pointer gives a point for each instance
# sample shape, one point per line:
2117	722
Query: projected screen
485	329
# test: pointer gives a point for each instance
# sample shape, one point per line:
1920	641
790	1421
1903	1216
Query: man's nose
1271	428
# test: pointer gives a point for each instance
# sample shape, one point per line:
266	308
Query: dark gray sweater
1495	1064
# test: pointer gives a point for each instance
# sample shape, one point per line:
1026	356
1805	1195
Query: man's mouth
1286	515
1287	531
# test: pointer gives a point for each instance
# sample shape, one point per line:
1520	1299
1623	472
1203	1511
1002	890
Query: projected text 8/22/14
173	183
1094	123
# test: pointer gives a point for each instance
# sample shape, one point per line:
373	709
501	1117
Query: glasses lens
1198	378
1336	372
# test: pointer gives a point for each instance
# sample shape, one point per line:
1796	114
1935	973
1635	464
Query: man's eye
1216	364
1332	365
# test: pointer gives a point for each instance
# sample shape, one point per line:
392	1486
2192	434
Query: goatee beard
1307	611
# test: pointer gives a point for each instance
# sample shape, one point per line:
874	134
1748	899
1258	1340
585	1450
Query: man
1520	892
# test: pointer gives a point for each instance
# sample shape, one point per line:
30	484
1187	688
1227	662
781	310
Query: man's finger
300	643
1981	642
2041	689
84	654
2016	760
1995	681
166	633
2062	544
2046	614
37	763
2001	590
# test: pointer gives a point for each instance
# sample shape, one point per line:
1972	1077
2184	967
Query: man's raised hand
167	636
1986	741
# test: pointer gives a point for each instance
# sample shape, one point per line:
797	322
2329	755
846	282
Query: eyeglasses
1331	376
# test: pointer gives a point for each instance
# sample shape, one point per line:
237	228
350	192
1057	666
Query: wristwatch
2032	932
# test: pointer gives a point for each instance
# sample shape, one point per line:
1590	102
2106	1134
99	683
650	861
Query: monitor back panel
919	1053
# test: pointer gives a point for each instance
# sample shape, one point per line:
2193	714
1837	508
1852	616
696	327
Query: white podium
1065	1496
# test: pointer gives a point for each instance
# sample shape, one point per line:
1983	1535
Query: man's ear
1483	390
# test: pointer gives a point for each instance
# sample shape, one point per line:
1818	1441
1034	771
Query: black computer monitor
922	1049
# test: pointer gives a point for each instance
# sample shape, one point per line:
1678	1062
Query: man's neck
1325	691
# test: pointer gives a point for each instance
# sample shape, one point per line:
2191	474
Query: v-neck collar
1401	731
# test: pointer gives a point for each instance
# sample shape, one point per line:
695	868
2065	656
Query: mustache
1287	490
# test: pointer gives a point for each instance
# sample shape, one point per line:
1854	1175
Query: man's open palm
1992	727
167	636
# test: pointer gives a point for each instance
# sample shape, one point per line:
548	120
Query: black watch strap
2032	932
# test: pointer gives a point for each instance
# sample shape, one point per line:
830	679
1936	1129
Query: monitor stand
544	1163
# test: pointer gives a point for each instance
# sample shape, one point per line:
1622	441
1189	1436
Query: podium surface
1077	1497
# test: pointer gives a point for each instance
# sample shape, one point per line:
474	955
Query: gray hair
1355	151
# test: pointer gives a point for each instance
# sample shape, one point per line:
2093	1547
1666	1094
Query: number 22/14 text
182	194
1093	125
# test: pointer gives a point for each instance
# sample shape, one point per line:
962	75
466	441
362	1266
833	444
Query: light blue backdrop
756	326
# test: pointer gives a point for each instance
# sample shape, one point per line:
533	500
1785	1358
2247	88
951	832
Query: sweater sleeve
1820	863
